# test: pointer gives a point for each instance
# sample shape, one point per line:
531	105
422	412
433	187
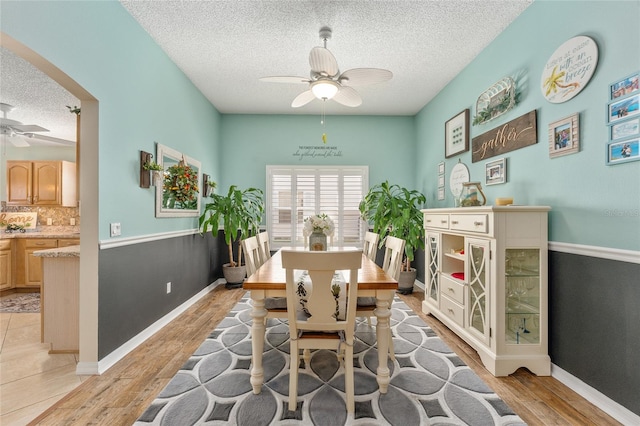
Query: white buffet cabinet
486	279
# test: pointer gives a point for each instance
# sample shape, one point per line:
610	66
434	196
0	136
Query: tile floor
31	380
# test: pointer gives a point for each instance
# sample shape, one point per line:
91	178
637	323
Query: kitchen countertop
44	232
70	251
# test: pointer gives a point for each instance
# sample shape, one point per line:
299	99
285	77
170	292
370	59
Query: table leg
383	314
258	313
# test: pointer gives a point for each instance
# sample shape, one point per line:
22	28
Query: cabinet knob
450	311
478	223
451	290
443	221
455	222
428	220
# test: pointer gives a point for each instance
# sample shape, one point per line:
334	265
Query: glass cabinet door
433	267
478	282
522	292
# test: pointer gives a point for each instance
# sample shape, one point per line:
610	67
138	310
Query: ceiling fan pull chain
323	122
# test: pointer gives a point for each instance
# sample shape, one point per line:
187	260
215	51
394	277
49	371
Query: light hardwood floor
121	394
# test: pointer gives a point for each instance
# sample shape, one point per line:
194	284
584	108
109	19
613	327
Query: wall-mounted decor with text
456	134
515	134
564	136
317	151
569	69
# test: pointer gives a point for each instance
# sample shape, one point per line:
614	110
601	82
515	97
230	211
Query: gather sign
28	220
515	134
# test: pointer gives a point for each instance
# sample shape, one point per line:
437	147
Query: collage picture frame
623	119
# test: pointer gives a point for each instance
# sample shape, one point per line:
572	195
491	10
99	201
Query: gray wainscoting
594	323
133	292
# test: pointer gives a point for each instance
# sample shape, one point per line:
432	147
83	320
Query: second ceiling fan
326	81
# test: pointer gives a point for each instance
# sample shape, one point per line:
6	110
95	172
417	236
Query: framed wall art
564	136
625	129
456	134
496	172
623	108
623	151
625	86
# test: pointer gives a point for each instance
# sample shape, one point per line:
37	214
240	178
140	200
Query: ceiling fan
16	132
326	81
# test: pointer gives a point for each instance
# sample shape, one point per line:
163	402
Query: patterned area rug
429	383
21	303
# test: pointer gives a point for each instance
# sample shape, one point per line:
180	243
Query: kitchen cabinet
486	279
5	265
41	183
28	269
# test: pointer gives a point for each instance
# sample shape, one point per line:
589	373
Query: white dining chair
392	265
263	241
321	329
370	245
252	254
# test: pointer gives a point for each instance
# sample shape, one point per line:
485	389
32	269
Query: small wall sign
515	134
569	69
317	151
26	220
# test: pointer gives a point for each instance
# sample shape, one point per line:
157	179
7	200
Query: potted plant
240	212
156	171
394	210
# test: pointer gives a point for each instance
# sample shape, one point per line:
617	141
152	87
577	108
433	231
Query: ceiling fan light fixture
324	89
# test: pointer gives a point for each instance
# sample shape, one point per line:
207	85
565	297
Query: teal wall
143	98
250	142
592	203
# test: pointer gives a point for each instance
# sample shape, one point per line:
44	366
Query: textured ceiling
224	47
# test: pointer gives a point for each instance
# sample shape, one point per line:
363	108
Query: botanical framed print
564	136
440	194
441	181
623	108
625	86
456	134
441	168
625	129
496	172
624	151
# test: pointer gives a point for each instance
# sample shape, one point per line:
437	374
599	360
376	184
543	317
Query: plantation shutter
295	193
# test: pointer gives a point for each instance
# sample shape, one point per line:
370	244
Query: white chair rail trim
620	255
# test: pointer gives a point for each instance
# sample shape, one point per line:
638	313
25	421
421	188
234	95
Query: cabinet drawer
436	221
41	244
68	242
452	289
5	244
470	222
452	310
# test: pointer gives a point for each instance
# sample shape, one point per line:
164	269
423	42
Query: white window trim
363	171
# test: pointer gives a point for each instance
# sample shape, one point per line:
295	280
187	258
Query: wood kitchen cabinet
28	269
41	183
5	265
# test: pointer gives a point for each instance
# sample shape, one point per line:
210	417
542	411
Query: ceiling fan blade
50	139
285	79
363	76
348	96
18	141
28	128
303	99
323	62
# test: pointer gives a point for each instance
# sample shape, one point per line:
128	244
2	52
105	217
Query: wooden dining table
269	280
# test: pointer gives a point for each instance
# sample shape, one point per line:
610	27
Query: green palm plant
394	210
240	212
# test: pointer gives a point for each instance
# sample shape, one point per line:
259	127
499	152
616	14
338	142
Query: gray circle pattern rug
429	383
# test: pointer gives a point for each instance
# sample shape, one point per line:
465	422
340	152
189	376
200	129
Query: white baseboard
97	368
603	402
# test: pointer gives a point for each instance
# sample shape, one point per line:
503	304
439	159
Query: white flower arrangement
318	223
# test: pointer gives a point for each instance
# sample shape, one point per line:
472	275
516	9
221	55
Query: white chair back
265	250
370	245
393	254
321	304
252	254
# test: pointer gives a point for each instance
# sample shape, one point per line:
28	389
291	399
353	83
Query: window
294	193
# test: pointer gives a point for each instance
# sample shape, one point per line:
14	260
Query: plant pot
406	281
234	275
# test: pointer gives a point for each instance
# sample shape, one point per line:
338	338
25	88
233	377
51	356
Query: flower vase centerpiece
317	228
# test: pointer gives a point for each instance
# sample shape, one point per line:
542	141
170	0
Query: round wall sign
569	69
459	175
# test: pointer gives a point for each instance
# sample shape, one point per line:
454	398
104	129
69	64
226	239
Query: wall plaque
516	134
25	220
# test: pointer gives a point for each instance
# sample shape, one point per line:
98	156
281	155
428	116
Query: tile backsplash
60	216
